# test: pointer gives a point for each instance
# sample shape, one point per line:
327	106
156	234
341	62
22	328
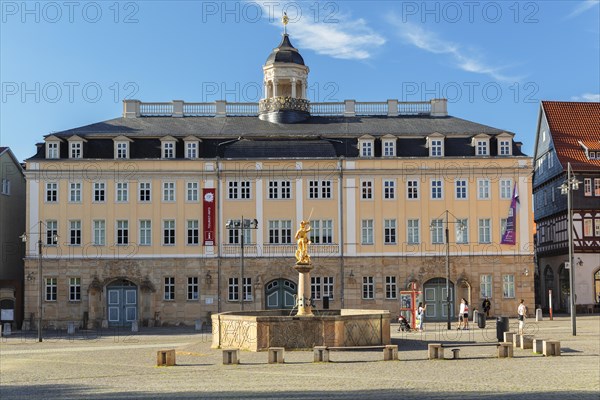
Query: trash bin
481	320
501	327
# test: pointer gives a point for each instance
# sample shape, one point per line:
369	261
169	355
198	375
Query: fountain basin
259	330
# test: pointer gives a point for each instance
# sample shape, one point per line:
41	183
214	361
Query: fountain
301	328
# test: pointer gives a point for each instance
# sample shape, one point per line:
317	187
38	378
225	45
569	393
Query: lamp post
40	285
567	188
447	239
242	225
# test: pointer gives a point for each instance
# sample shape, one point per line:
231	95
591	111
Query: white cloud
343	37
583	7
593	97
467	60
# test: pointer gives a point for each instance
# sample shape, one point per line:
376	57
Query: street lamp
242	225
447	238
567	188
54	239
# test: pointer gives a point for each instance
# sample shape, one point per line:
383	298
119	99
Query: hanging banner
208	199
510	234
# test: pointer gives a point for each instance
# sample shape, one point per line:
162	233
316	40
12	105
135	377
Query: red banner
209	209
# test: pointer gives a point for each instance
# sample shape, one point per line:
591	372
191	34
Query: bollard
538	315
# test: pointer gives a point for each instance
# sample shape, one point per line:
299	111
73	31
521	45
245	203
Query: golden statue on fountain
302	256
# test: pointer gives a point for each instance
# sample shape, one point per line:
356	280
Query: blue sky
67	64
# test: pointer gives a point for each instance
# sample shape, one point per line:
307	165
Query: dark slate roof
280	149
233	127
285	53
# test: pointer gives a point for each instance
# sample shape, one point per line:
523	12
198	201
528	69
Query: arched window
597	286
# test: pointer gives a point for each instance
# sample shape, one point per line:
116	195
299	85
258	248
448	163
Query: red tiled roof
571	123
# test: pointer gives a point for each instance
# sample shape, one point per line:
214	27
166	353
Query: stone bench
321	354
390	352
276	355
538	346
455	354
231	356
508	337
526	342
505	350
516	342
551	348
435	351
165	358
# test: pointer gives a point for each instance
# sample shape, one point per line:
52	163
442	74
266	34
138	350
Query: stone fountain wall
259	330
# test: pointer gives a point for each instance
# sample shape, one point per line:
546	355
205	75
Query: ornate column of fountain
303	266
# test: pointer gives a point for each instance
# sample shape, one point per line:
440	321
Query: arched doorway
121	302
563	285
434	293
280	293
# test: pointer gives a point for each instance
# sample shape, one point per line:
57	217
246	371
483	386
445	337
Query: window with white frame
99	232
169	288
587	187
505	188
436	148
328	286
169	232
145	192
597	227
122	149
74	289
389	189
436	189
75	149
122	192
588	227
461	190
322	231
550	158
238	190
168	149
389	231
366	231
366	190
596	187
280	189
280	232
462	230
51	232
247	289
234	236
75	233
437	231
99	192
366	149
244	189
485	284
74	192
233	290
193	229
6	186
319	189
192	192
508	286
483	189
51	192
191	150
168	191
412	234
315	287
145	238
482	148
51	289
193	288
122	232
389	148
505	148
52	150
412	189
368	288
391	288
485	229
503	223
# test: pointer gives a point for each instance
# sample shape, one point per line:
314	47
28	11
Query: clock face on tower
209	197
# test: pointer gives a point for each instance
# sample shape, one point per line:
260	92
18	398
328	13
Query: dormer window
388	143
366	146
121	147
504	141
504	148
191	147
481	143
75	149
168	150
52	150
482	148
435	144
592	155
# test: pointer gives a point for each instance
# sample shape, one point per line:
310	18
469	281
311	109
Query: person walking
421	315
463	314
486	305
522	314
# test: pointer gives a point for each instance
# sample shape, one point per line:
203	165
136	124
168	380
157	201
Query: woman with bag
421	316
